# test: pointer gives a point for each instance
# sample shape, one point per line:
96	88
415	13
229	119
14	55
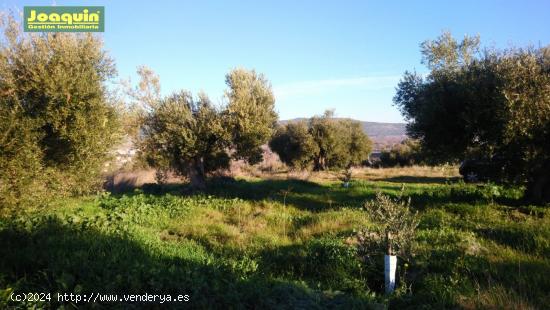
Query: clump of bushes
406	153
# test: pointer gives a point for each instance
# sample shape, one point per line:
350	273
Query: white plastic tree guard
390	266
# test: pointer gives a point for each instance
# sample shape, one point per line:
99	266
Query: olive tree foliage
321	143
445	53
433	106
144	96
186	135
57	117
193	137
140	100
20	158
357	145
483	104
394	229
250	113
324	130
294	145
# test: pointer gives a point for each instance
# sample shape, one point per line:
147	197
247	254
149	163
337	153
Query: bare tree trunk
197	175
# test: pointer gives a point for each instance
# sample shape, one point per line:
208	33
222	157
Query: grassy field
276	243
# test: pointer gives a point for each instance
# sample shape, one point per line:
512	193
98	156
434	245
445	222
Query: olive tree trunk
196	174
319	163
538	187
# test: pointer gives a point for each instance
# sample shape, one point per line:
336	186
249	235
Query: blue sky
344	55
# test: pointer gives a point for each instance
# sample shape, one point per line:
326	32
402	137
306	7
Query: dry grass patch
496	297
333	222
374	174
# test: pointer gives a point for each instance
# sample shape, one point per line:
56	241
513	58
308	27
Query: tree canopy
194	137
250	113
321	143
294	144
483	104
56	114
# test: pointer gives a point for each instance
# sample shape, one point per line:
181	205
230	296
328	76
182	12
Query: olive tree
55	104
186	135
194	137
324	131
490	103
294	145
393	233
323	142
250	113
356	144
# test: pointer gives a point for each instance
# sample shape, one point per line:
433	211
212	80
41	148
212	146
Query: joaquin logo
64	18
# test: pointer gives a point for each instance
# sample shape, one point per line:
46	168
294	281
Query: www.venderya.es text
97	297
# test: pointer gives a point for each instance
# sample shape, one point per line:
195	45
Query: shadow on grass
311	196
304	195
528	239
51	256
419	179
323	262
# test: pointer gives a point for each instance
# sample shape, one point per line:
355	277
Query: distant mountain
374	129
382	134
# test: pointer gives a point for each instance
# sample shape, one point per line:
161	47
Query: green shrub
330	261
